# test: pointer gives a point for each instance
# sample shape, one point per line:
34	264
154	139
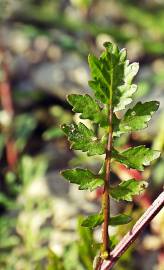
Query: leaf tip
107	44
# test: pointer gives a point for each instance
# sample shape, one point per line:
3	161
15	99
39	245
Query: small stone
41	43
54	53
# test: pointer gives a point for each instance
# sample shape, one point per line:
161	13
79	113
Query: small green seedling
112	77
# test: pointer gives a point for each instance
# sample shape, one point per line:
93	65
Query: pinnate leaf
97	219
107	72
93	221
87	106
84	139
138	117
119	220
127	189
112	83
136	157
83	177
130	71
112	74
100	93
127	89
123	97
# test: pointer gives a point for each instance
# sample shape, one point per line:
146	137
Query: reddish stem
130	237
105	199
7	105
6	99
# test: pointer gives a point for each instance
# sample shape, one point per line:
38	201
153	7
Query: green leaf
87	106
119	220
113	241
97	219
23	126
53	133
93	221
54	262
112	75
130	71
72	251
86	240
138	117
123	97
127	189
107	72
100	82
100	94
136	157
83	177
84	139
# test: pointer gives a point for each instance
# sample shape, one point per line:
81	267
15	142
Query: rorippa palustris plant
112	86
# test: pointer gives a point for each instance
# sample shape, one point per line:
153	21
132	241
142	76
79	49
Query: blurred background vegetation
43	56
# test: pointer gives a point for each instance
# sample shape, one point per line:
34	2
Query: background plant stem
7	105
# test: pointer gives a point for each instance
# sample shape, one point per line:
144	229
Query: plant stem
130	237
106	200
7	105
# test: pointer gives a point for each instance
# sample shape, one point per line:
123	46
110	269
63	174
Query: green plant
79	250
20	231
112	77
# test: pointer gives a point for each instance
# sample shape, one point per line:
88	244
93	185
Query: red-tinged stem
7	104
11	153
6	99
5	89
105	199
130	237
